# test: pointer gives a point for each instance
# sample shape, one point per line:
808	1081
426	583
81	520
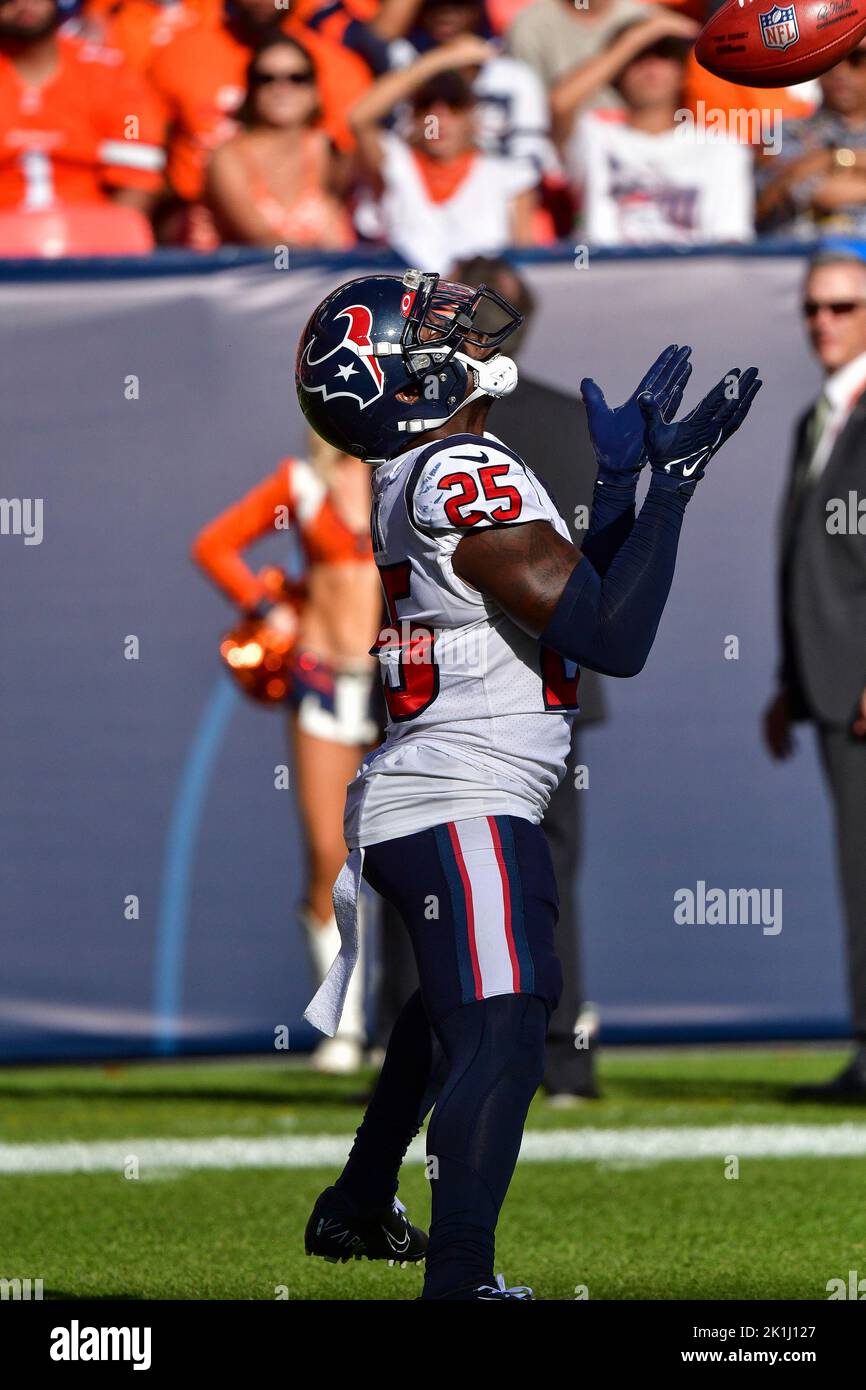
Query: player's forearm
610	521
609	622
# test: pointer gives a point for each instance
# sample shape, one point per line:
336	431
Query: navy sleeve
609	621
610	522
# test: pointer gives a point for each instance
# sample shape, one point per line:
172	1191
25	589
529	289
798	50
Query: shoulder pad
468	481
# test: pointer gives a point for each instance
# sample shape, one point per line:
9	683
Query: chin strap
498	377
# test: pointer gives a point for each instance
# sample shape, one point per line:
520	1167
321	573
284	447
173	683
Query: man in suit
548	429
823	604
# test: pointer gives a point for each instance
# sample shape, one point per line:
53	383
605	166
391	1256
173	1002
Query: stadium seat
88	229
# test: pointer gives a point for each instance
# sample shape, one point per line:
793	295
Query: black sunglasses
837	307
673	48
298	79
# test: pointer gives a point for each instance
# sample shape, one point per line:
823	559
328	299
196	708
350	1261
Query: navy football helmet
382	358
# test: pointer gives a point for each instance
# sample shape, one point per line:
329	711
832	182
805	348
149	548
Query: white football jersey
479	713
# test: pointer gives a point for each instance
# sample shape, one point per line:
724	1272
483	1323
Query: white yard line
652	1145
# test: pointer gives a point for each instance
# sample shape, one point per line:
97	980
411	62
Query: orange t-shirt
71	138
331	20
294	486
141	28
200	77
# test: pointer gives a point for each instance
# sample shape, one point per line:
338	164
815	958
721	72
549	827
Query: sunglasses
266	79
837	307
674	49
857	59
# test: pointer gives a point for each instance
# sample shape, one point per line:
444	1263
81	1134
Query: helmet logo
356	373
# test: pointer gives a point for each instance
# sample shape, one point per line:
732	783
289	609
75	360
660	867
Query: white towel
326	1006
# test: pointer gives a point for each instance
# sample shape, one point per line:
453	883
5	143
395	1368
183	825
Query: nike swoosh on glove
679	450
618	435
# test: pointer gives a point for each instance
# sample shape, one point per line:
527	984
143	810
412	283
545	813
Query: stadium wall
150	779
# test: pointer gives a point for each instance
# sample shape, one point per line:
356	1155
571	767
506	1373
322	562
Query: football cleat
490	1293
338	1232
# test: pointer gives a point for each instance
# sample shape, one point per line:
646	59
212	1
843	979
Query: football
760	44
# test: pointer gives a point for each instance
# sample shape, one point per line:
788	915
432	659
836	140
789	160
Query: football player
492	610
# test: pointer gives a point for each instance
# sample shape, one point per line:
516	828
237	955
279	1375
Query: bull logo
351	368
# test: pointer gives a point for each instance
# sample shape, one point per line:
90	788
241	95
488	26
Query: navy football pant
479	900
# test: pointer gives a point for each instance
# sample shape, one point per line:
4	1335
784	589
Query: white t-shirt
513	117
474	221
513	114
479	714
684	187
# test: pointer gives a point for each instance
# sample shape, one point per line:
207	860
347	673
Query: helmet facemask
442	320
444	317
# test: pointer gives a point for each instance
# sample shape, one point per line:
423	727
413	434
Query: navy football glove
618	435
679	450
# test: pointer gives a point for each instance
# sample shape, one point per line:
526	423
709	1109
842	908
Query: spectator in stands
512	106
818	184
556	36
77	125
648	176
140	28
438	197
594	82
275	182
374	29
201	77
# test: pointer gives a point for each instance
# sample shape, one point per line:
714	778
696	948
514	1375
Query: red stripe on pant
506	902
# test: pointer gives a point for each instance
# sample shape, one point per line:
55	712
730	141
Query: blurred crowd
444	129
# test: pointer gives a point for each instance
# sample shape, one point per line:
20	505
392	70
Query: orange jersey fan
91	127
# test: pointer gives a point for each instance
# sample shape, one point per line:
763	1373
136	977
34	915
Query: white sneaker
338	1056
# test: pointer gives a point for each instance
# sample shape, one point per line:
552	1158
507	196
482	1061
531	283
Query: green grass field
624	1226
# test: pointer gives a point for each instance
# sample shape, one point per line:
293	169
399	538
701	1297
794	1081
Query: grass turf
677	1229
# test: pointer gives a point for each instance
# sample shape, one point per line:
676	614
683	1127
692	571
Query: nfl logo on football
779	27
